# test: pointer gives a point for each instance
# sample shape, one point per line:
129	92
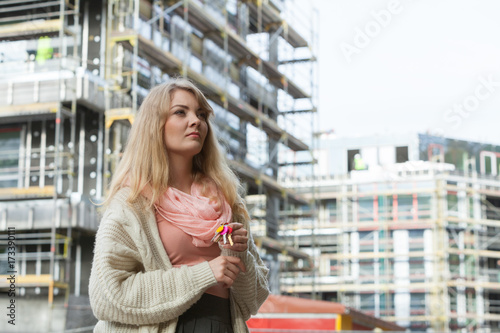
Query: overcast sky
396	66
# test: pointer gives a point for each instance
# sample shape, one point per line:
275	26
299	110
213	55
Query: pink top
181	250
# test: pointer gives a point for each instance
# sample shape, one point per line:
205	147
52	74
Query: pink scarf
196	215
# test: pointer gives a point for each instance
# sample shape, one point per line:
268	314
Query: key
229	232
223	233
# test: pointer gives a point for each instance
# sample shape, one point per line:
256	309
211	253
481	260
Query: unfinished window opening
492	208
401	154
351	154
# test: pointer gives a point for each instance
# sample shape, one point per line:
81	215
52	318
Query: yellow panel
344	322
44	280
119	114
30	108
35	26
31	280
28	280
13	192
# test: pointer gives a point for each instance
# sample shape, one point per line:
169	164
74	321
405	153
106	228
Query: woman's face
186	126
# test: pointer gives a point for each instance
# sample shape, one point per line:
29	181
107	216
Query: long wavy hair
145	165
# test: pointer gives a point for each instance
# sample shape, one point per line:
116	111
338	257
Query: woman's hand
239	237
226	269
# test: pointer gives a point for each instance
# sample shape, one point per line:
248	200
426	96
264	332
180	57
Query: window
10	141
350	158
331	210
401	154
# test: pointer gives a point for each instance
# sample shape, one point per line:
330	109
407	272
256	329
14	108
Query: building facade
412	238
73	74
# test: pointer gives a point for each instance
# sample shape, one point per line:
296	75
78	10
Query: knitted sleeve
250	289
120	288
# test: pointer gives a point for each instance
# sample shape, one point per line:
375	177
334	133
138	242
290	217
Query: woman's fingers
236	262
226	269
231	274
240	239
238	247
238	228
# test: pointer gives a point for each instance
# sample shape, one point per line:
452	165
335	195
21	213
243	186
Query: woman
159	265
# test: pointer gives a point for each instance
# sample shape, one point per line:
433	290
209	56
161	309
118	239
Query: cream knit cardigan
133	287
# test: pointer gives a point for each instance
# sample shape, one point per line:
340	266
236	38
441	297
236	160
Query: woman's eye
179	112
203	116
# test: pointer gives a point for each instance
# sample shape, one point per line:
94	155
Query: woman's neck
180	174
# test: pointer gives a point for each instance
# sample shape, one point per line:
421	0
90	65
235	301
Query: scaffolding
74	73
39	85
48	154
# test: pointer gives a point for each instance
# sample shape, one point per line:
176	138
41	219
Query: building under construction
408	230
73	73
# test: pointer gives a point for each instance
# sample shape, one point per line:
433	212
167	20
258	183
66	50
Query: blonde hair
144	164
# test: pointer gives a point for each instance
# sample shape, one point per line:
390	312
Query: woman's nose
193	119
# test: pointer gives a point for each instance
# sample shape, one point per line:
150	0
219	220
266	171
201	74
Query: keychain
223	231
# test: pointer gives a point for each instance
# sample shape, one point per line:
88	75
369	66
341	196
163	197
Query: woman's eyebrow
180	105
